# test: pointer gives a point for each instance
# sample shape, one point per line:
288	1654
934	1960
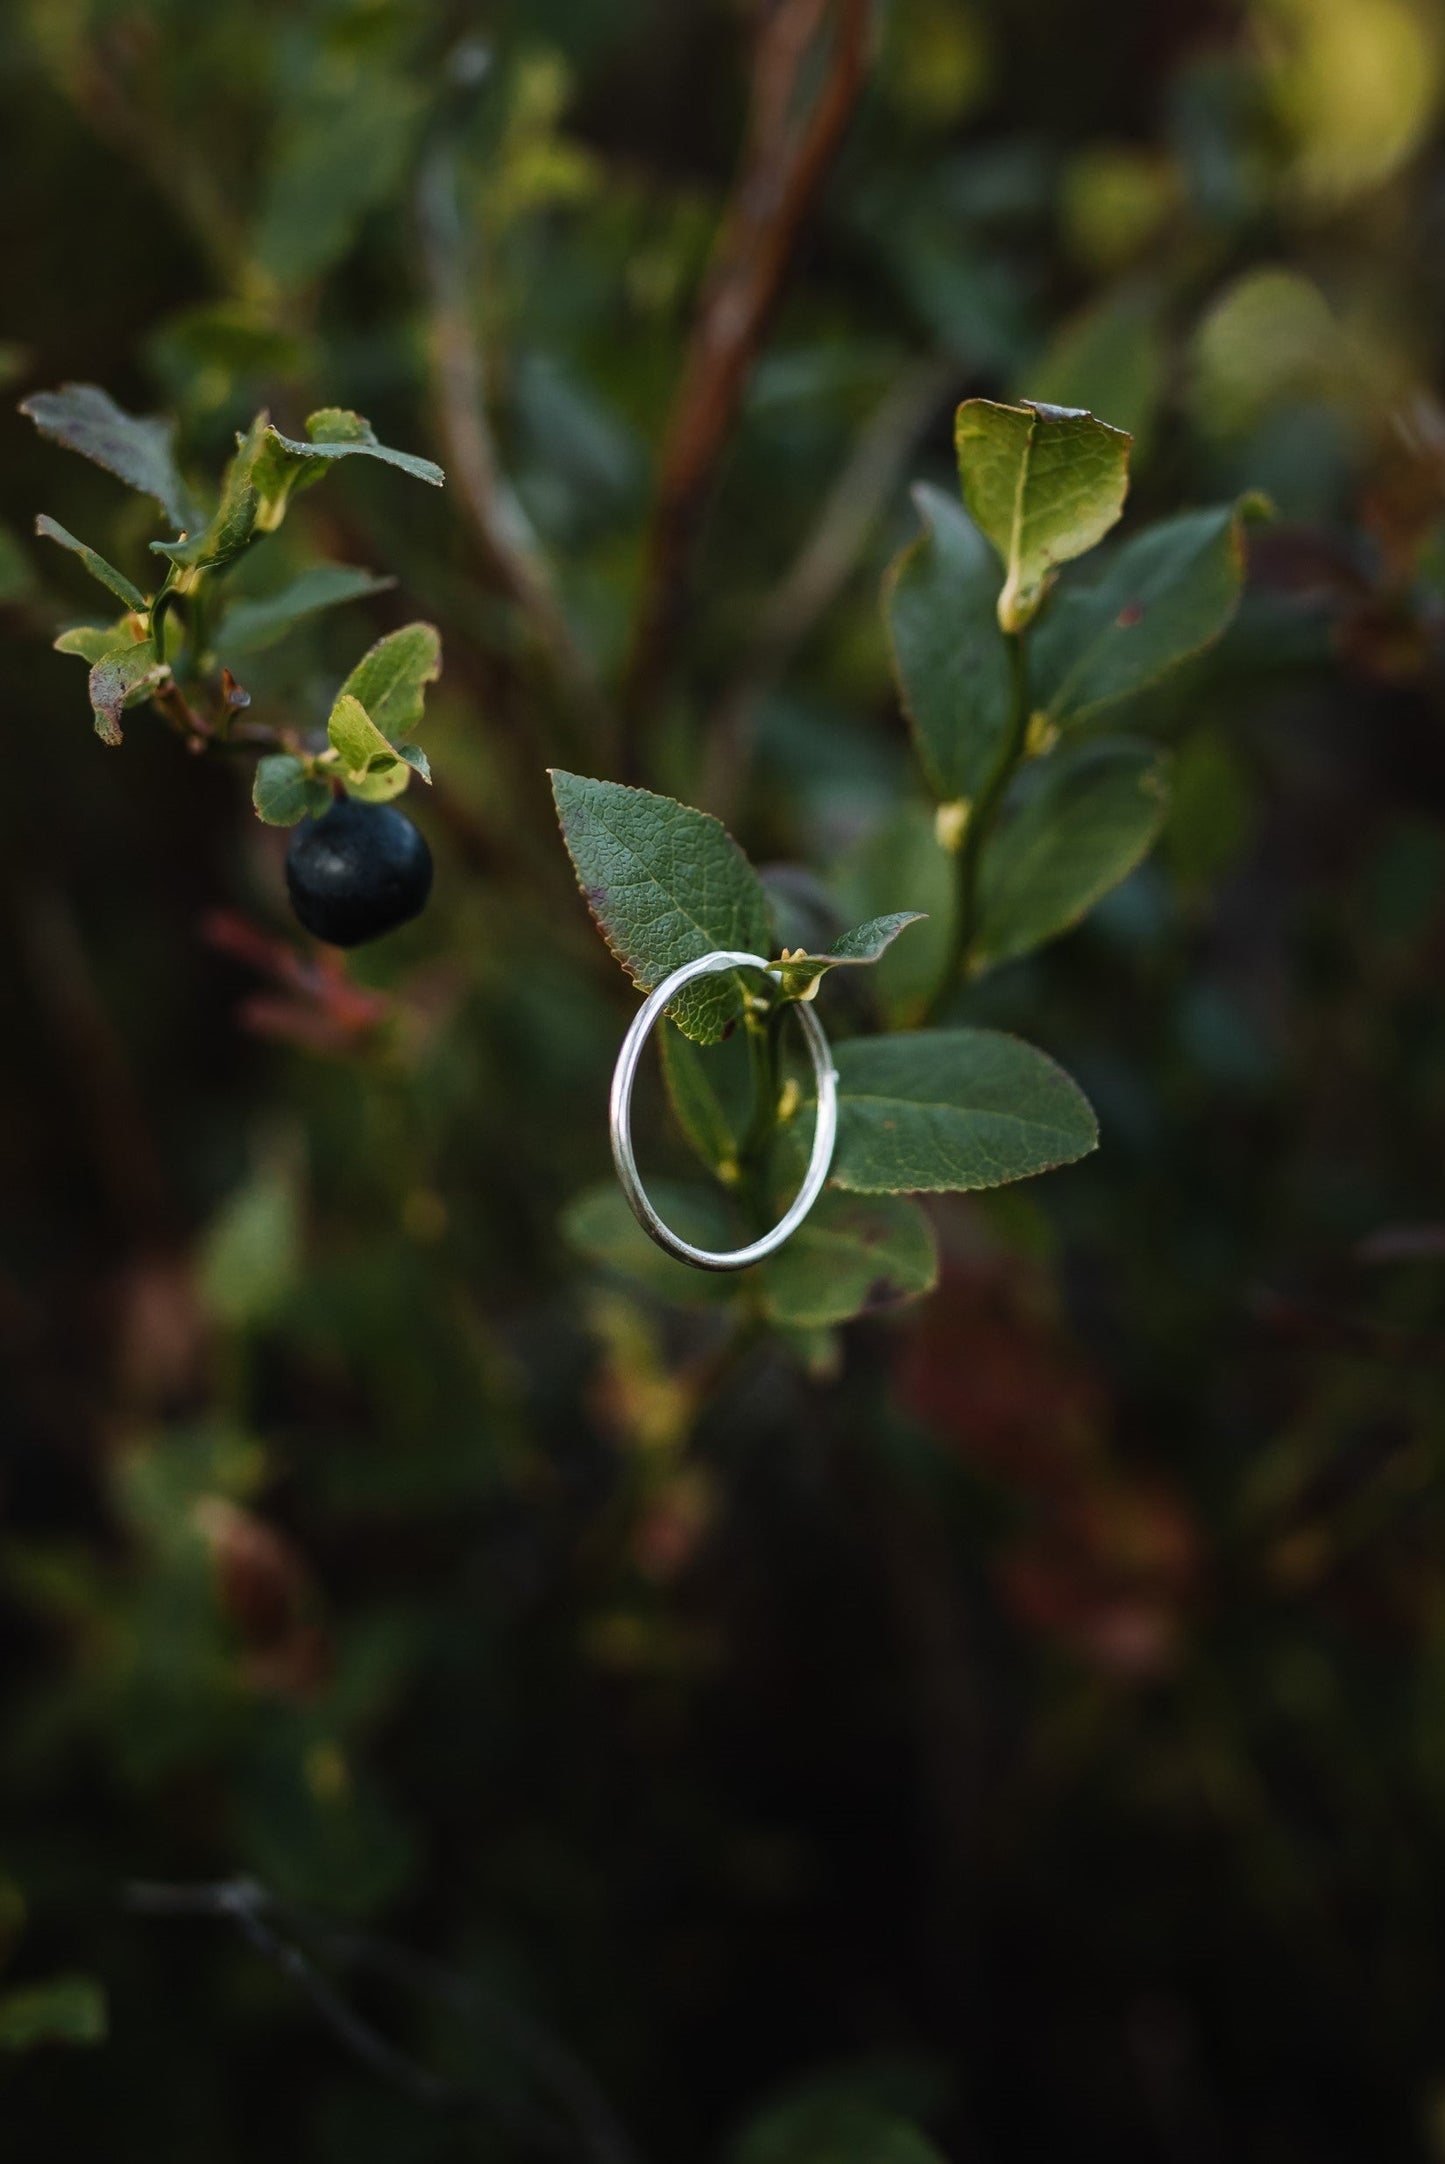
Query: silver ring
624	1074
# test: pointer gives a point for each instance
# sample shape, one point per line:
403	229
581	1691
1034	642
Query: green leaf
712	1108
120	679
381	784
333	433
233	522
1044	483
416	759
665	885
1168	592
61	2010
802	973
374	769
94	641
850	1257
934	1110
940	602
253	623
1088	816
136	449
267	470
390	679
356	740
94	563
600	1225
283	791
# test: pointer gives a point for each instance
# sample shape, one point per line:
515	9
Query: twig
244	1903
531	2045
822	567
255	1911
193	728
508	545
783	167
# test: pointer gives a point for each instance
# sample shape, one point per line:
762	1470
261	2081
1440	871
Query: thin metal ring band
624	1074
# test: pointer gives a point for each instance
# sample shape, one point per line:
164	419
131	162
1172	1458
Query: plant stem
763	1048
981	821
788	153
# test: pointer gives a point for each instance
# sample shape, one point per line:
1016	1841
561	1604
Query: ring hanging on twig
624	1074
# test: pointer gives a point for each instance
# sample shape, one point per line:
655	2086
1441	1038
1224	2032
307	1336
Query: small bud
1042	736
950	824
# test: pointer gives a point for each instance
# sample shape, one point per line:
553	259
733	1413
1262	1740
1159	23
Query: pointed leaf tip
665	885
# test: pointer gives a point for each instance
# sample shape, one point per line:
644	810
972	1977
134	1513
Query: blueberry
357	871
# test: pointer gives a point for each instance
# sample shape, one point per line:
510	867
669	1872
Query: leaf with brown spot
1165	595
121	679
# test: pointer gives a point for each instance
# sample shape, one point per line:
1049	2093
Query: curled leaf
803	973
356	740
391	677
123	679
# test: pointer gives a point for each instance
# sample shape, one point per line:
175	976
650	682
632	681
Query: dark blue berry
356	872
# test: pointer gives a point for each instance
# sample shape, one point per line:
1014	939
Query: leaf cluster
1004	682
178	636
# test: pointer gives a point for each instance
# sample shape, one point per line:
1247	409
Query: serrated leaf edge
1008	1180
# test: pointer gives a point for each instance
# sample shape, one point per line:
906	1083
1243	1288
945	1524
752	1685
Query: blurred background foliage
1019	1725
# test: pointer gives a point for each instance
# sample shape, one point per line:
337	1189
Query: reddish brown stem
785	160
183	718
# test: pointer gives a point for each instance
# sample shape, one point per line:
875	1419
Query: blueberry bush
947	498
